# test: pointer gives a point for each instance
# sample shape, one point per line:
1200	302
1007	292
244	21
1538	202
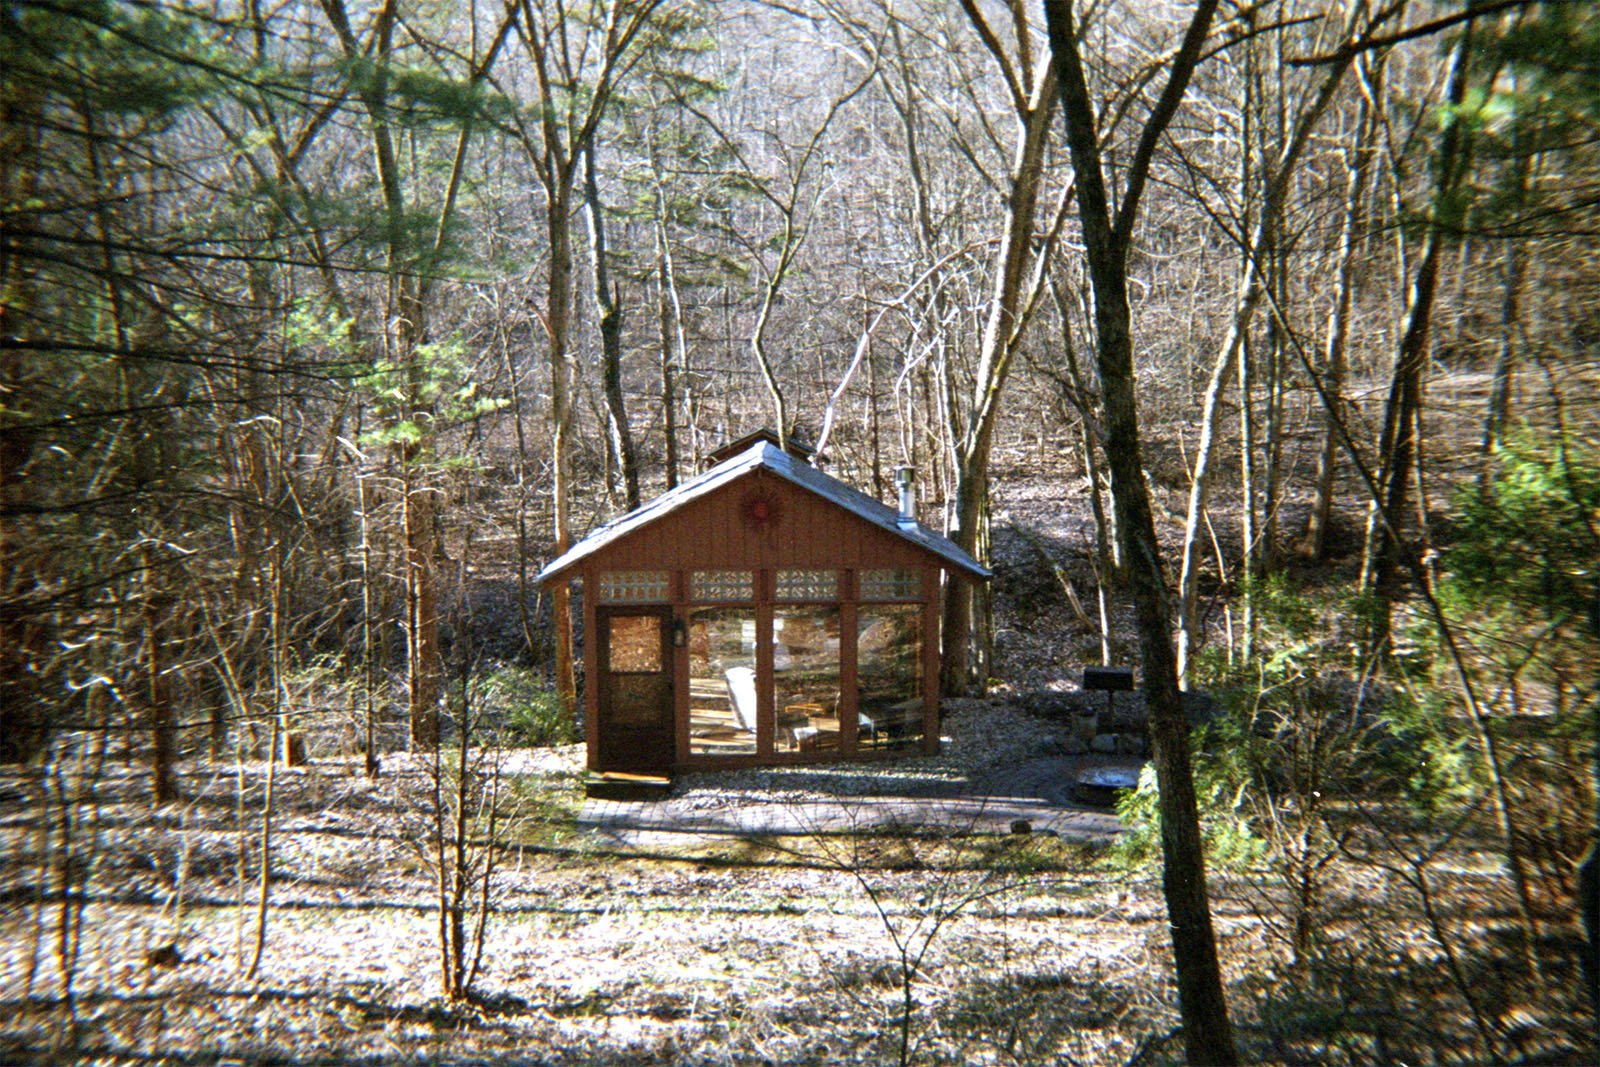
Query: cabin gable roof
764	459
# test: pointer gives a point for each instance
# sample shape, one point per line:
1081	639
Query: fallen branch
1063	579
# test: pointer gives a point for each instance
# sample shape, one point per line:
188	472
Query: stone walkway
1037	791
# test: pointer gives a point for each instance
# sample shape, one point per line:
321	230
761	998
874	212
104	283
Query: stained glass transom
722	585
634	587
891	585
808	585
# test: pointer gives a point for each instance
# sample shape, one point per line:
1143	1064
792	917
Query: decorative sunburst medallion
759	509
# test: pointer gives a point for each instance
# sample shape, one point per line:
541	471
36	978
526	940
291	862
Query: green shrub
1225	824
1303	733
1531	536
1522	575
529	708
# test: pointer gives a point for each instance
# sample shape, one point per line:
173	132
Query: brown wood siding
716	533
849	678
591	672
930	660
680	685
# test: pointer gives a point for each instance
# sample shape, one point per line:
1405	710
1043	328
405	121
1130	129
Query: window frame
693	599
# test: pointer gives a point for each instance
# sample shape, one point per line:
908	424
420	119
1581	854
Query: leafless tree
1208	1035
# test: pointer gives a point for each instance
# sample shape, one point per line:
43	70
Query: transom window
807	585
895	584
722	585
634	587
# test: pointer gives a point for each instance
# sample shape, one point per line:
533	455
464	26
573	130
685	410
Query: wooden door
635	688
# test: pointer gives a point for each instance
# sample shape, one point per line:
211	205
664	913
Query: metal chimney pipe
906	478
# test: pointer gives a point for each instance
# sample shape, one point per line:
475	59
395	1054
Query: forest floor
888	945
787	949
808	948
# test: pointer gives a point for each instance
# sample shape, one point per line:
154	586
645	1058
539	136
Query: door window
635	644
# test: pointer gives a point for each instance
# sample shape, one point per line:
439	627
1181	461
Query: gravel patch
999	770
979	736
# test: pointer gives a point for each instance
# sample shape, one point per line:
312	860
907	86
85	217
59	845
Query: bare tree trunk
568	115
1314	544
1075	398
1208	1035
557	322
1256	266
669	398
22	722
758	342
1008	312
460	876
369	626
1270	555
1513	279
1381	562
1505	362
424	683
410	274
1262	238
264	882
606	300
158	688
1247	493
70	785
525	616
1189	575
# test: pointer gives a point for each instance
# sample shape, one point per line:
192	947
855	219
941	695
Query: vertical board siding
930	660
715	533
591	670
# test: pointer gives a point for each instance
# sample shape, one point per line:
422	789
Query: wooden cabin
763	612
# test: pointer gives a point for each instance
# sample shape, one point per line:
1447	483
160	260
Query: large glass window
805	676
889	674
722	681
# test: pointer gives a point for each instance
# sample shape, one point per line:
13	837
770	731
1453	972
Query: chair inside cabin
741	683
742	696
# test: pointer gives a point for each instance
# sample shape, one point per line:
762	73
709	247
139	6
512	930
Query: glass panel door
722	681
635	688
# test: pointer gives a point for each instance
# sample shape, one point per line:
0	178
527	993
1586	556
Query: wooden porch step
624	785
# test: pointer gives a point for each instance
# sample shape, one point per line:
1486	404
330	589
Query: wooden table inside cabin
810	727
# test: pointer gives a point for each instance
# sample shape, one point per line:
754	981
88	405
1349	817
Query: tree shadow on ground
1355	1006
113	1026
1098	1014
